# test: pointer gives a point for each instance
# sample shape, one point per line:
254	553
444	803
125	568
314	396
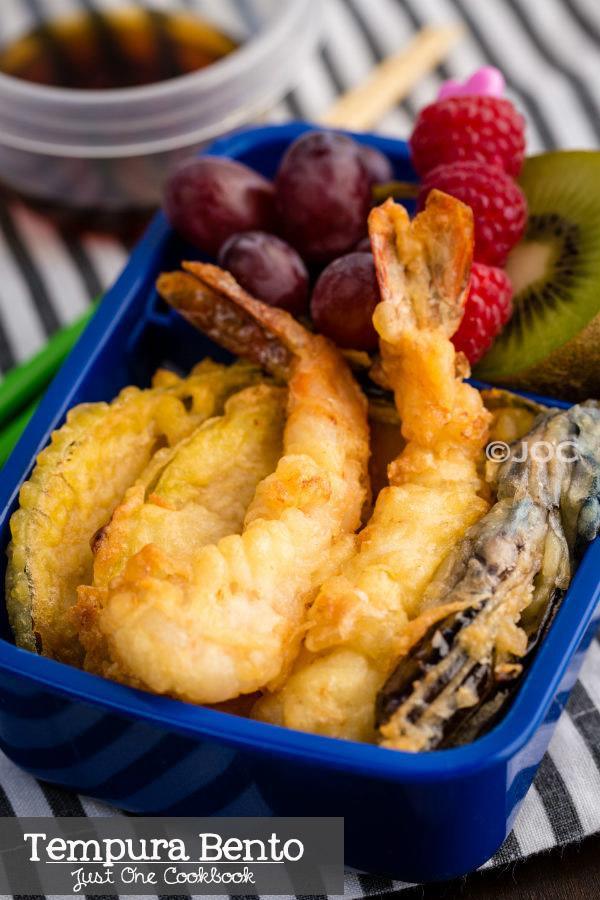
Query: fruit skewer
365	105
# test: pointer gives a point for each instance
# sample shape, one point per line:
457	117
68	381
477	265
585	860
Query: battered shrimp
434	491
228	618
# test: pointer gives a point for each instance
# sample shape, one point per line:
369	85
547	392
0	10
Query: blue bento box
417	817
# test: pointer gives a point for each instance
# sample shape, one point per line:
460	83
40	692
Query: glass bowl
109	150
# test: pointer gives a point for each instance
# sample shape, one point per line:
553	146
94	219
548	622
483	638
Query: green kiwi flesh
552	340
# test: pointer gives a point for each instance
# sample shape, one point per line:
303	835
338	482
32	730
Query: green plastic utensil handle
11	433
26	381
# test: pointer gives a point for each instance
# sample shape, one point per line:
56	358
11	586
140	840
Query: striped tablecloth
550	52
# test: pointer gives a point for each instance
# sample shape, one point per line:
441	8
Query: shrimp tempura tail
423	268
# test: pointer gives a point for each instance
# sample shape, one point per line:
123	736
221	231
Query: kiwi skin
552	346
572	372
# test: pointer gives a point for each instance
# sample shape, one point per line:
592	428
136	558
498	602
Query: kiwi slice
552	342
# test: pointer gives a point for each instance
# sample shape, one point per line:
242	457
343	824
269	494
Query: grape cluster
306	228
300	241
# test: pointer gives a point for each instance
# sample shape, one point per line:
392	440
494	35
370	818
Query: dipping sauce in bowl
131	47
95	109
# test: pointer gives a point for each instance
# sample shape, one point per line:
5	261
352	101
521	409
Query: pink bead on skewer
487	81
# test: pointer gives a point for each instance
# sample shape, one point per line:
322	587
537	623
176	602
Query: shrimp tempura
356	622
227	618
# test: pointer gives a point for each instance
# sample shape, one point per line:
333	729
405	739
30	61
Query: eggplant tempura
434	491
198	491
78	481
190	495
497	592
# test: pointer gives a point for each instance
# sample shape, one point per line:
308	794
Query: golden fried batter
189	496
226	619
198	491
434	487
77	482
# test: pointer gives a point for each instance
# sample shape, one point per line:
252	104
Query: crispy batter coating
76	484
513	416
190	495
434	491
199	490
227	619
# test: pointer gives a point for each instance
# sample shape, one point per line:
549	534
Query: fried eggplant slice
434	487
189	496
495	595
226	619
198	491
76	484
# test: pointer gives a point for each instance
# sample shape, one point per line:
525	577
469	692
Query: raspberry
477	128
498	205
487	310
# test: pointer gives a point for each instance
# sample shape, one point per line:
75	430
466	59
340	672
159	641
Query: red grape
378	166
344	299
208	199
323	195
267	268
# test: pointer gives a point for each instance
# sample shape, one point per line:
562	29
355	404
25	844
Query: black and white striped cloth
550	53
